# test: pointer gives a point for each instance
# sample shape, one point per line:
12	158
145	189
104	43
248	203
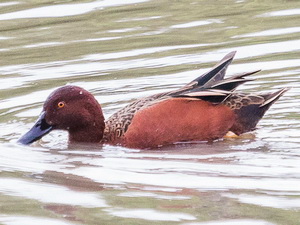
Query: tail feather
273	97
249	115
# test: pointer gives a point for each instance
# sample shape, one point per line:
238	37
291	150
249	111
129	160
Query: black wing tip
229	55
217	72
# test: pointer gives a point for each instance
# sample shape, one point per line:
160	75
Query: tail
249	115
273	97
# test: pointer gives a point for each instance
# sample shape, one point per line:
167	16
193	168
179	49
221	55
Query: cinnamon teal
204	109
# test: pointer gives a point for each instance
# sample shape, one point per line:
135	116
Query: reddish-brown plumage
178	119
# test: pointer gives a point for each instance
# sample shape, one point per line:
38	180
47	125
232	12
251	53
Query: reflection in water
121	51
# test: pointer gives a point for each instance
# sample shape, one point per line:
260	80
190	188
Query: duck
205	109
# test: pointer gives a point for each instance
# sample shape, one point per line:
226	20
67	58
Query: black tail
272	97
249	115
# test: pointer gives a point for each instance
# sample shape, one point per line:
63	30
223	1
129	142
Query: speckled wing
118	123
238	100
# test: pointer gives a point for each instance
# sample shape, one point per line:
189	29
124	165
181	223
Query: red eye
61	104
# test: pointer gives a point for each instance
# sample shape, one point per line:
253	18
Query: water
124	50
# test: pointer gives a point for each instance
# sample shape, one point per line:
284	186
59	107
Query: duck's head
69	108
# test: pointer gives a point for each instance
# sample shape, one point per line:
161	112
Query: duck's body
205	109
170	121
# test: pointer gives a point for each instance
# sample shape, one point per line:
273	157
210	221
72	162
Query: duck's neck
92	133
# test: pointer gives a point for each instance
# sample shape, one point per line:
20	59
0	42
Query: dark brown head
73	109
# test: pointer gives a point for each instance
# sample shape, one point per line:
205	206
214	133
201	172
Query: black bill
39	129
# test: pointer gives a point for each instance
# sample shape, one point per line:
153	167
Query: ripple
200	182
55	194
150	214
233	222
271	32
4	38
138	52
19	158
267	201
152	195
197	23
31	220
44	44
90	64
62	10
123	53
3	4
287	12
140	19
124	30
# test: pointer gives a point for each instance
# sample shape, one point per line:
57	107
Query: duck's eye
61	104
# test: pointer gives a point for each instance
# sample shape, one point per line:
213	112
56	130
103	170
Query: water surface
124	50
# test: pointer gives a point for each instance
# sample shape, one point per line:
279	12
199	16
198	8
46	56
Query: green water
124	50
